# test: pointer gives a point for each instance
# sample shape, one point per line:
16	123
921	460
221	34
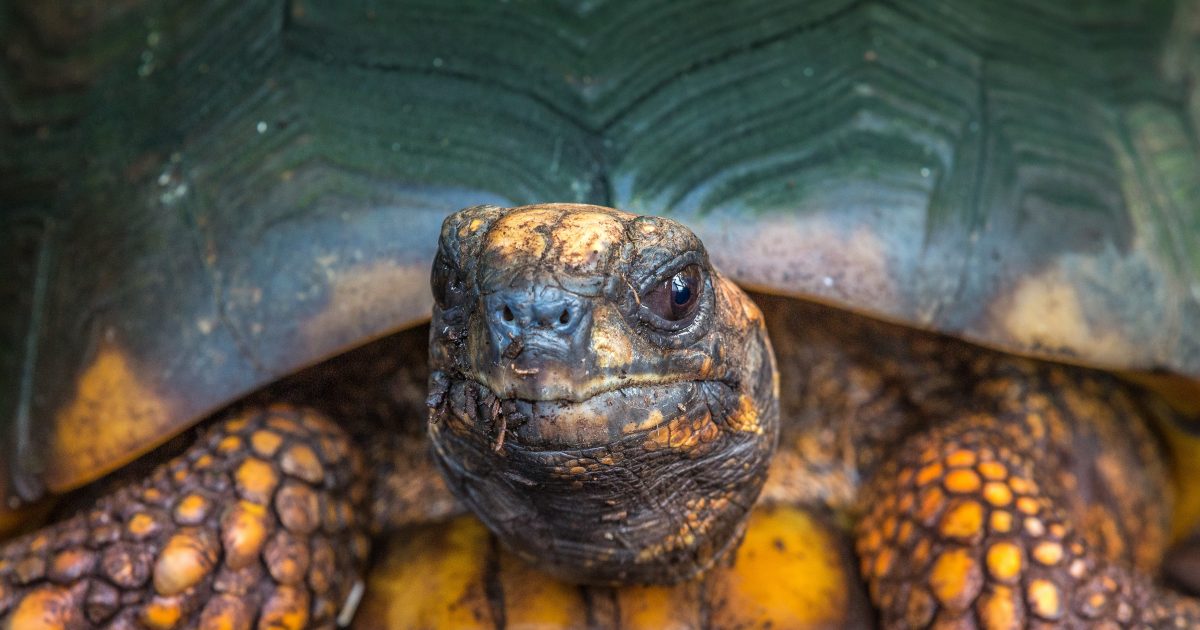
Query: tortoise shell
202	198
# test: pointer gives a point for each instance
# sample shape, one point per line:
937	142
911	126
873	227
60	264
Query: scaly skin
997	492
971	529
260	522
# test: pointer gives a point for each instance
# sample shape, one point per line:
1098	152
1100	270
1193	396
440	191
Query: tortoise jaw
553	479
603	418
558	383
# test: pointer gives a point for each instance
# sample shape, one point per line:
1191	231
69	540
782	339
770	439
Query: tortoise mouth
602	419
557	383
644	483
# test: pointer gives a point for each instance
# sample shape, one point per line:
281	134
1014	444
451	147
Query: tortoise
863	157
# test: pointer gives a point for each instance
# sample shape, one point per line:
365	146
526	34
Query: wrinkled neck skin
600	448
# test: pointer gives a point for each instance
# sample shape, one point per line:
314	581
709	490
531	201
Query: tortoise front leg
259	523
969	526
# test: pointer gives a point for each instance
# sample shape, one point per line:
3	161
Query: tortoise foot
965	528
258	523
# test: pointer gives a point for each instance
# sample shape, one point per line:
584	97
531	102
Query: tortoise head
601	396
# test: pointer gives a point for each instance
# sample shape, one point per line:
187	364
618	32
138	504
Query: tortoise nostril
544	310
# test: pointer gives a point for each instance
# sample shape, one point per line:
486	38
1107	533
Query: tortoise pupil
681	293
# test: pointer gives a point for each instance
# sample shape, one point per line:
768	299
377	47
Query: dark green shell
217	193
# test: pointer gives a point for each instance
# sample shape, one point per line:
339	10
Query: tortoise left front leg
260	523
969	526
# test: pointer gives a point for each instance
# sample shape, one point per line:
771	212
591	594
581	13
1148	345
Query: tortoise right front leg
967	527
259	524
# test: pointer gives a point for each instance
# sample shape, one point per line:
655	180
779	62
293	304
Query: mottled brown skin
986	491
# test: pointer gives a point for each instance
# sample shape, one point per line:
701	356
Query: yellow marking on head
585	240
610	341
514	238
114	416
683	433
652	419
745	418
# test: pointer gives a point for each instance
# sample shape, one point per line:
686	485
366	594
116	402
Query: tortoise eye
675	299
